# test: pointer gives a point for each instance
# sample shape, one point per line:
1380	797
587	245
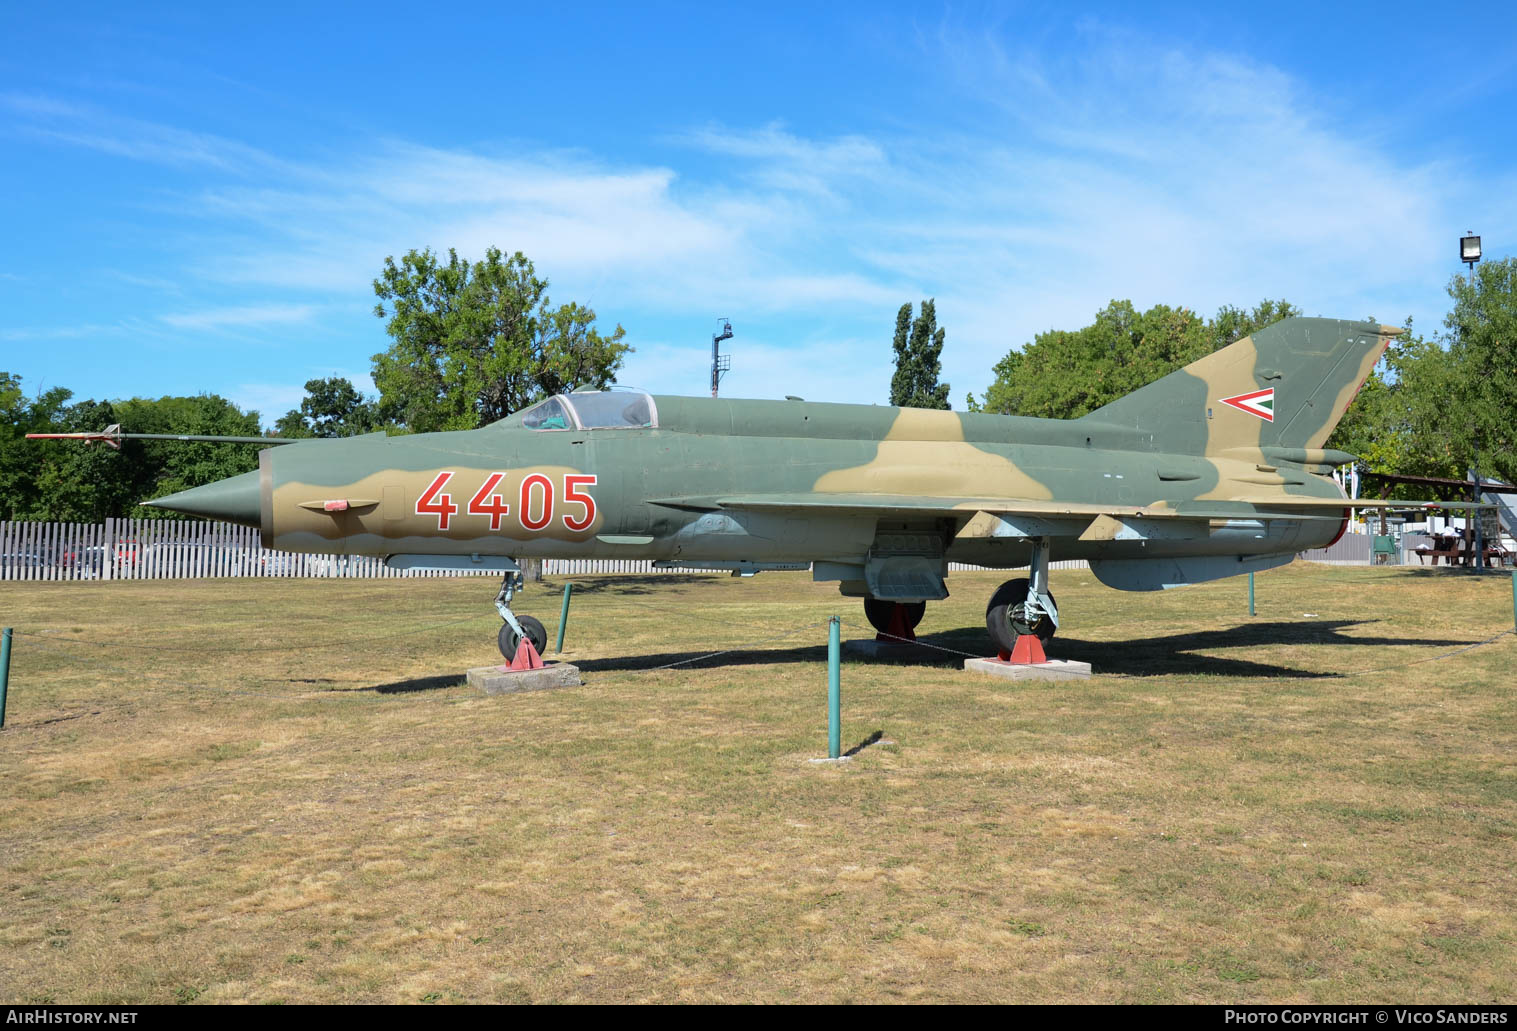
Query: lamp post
720	363
1469	253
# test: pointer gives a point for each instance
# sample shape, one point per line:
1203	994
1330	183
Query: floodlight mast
1469	253
1469	250
720	363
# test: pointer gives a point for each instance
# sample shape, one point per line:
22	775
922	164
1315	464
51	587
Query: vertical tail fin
1286	387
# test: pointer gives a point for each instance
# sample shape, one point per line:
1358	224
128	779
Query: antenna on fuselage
720	363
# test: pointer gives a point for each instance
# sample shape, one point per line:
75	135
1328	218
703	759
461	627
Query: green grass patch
281	791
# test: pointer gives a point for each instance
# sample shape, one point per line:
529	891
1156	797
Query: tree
163	467
1064	374
84	484
21	460
918	349
332	407
1482	358
71	481
475	342
1445	405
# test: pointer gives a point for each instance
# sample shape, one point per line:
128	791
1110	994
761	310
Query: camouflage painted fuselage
1220	463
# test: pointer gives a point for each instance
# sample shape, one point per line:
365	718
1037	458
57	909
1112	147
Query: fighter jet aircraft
1215	470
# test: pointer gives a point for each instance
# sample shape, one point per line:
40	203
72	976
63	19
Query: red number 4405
535	502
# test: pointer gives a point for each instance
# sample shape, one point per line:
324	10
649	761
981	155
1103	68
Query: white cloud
249	315
95	129
762	368
59	332
1186	178
269	400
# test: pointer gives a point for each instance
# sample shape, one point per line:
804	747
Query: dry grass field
281	791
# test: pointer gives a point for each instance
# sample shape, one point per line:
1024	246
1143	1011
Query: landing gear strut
1023	607
516	627
897	619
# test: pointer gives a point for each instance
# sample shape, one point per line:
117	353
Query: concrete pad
504	680
1053	669
898	650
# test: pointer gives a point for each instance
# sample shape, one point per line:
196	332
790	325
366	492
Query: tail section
1284	387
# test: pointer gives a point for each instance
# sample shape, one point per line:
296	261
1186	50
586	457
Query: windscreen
613	409
548	415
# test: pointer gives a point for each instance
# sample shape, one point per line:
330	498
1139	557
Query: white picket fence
161	549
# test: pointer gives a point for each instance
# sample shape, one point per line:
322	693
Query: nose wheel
509	640
516	627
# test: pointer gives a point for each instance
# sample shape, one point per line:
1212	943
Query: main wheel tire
509	641
879	612
1006	616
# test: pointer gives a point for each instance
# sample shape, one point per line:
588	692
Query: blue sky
198	198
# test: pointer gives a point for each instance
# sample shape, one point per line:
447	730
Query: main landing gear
516	627
895	620
1019	608
1023	607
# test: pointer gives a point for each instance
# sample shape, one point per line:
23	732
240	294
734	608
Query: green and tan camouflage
1214	470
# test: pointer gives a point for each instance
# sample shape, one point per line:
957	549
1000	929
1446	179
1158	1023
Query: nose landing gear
516	627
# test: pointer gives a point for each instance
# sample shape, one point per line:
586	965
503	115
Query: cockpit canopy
593	410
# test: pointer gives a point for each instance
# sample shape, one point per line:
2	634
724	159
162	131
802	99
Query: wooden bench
1448	553
1495	555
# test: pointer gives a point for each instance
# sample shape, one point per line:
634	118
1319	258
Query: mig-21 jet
1212	471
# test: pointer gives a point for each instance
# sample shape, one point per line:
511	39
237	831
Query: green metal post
5	669
563	617
834	692
1514	605
1250	594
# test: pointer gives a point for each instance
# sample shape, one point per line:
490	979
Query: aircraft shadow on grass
418	684
620	585
1169	655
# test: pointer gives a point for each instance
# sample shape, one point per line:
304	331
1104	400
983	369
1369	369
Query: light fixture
1469	250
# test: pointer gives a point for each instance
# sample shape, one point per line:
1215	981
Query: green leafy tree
21	460
1064	374
332	407
73	481
83	483
474	342
168	466
918	347
1480	409
1398	422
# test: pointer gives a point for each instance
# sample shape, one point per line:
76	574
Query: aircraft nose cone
232	500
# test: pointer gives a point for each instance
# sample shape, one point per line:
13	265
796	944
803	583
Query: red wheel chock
897	630
1027	651
526	656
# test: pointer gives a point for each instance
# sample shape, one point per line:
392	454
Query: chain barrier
167	680
254	648
737	648
48	642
